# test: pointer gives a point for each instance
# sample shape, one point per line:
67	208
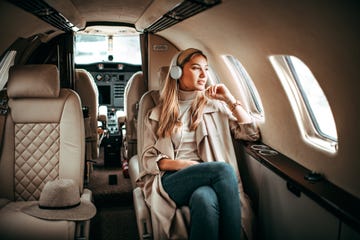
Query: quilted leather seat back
36	158
44	135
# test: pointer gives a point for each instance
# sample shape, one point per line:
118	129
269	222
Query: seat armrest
87	195
102	118
82	230
143	218
121	117
134	170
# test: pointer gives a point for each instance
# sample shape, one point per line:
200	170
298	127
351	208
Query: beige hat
60	200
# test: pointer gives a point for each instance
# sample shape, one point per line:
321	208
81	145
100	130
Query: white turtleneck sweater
184	140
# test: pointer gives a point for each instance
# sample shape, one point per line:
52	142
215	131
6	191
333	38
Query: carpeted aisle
115	218
115	223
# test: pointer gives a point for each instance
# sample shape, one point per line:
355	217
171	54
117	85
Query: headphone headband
176	68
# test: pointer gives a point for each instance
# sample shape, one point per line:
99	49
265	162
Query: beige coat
214	141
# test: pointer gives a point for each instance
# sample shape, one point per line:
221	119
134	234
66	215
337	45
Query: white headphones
175	70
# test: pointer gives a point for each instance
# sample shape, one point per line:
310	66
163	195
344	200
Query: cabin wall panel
160	51
250	171
283	215
347	233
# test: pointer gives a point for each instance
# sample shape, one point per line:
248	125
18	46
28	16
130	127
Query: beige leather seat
143	216
134	89
144	222
43	141
135	104
86	88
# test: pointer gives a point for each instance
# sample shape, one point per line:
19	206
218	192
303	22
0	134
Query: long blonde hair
169	107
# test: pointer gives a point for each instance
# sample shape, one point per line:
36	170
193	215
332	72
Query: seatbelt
4	109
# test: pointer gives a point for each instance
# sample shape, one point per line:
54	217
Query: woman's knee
225	167
204	199
224	170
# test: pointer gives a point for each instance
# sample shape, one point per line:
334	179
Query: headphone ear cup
175	72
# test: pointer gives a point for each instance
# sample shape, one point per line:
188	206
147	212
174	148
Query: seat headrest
33	81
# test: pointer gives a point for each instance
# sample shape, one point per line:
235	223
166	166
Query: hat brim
86	210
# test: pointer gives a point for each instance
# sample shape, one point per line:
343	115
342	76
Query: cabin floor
112	193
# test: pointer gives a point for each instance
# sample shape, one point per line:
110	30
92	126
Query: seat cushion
14	224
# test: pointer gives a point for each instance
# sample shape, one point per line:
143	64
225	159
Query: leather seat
43	141
134	89
139	106
135	104
143	215
86	88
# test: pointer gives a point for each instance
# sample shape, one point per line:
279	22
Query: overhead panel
45	12
178	13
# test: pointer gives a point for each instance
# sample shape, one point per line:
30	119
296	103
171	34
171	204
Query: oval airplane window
311	107
239	73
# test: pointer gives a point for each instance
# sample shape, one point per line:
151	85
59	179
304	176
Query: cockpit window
120	44
247	85
310	105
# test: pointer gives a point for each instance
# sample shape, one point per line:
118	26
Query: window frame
306	99
252	96
307	122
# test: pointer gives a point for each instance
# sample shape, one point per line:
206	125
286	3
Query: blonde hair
169	107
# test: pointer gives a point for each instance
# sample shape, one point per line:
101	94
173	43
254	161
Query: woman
188	156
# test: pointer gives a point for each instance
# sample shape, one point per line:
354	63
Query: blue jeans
211	191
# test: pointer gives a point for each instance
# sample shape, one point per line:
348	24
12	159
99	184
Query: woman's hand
220	92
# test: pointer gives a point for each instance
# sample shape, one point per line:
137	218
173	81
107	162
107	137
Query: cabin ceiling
126	11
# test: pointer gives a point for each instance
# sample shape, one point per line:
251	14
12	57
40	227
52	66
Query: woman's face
194	75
